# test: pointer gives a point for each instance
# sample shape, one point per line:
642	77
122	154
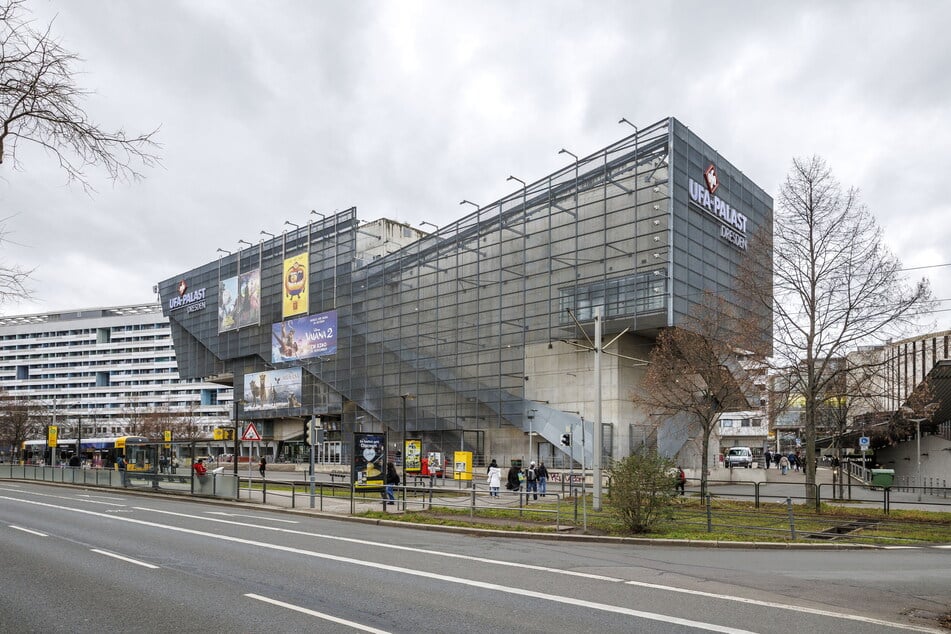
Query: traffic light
313	429
566	440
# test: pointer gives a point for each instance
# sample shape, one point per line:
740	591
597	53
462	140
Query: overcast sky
270	109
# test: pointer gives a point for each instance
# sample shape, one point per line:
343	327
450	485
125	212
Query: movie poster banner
296	299
239	301
413	455
304	337
273	389
369	460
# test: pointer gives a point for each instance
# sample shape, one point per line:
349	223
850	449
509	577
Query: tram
99	453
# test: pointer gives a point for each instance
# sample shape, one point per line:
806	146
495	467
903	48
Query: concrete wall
935	459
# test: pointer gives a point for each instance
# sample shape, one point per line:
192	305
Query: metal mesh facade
454	317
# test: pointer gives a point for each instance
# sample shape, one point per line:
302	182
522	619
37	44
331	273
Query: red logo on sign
710	176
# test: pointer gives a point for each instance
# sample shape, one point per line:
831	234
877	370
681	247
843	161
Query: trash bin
883	477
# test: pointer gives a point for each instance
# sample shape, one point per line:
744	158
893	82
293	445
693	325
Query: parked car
738	457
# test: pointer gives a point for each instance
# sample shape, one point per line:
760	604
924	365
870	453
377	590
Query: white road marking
319	615
569	573
943	546
254	517
663	618
123	558
461	581
104	497
70	497
27	530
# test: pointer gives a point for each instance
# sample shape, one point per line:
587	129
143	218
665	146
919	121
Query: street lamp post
531	419
917	422
234	458
403	436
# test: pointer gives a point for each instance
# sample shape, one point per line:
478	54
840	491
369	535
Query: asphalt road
92	560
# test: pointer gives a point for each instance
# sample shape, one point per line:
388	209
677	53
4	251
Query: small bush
642	487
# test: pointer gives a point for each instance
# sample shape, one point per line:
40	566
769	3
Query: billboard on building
273	389
239	301
304	337
295	297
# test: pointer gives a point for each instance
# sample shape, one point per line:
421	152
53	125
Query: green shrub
642	487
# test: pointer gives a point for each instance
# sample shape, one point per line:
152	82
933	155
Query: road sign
863	443
251	434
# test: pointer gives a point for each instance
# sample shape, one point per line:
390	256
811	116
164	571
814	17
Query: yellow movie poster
294	286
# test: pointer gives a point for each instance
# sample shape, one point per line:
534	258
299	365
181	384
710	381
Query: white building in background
102	368
745	429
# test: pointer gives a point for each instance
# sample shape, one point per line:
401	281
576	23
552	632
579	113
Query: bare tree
920	405
40	103
835	287
13	277
699	370
20	419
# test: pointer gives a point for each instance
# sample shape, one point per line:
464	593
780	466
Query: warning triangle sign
251	433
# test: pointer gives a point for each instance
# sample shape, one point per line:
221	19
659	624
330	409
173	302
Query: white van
738	457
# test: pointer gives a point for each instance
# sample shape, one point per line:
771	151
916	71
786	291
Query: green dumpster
883	477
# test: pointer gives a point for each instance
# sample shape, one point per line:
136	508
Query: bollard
792	523
709	515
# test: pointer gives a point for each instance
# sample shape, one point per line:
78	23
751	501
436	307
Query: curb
488	532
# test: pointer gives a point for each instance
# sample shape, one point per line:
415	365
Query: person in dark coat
392	480
512	481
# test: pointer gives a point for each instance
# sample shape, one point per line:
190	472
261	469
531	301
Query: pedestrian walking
681	481
392	480
767	457
494	478
542	473
783	465
123	467
262	467
199	468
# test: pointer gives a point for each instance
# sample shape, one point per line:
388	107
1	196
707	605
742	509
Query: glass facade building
473	336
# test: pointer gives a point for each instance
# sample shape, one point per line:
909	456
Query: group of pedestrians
783	462
534	476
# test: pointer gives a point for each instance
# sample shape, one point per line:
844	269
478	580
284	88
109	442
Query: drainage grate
834	532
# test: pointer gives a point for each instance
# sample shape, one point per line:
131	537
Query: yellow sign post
52	433
462	465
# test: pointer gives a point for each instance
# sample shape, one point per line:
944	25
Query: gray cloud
268	110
